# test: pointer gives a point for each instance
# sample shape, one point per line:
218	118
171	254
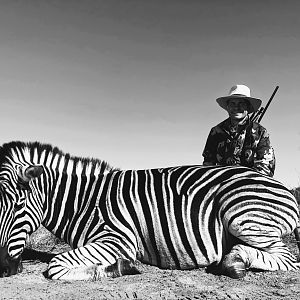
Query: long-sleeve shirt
247	145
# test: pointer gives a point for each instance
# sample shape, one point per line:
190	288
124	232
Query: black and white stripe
181	217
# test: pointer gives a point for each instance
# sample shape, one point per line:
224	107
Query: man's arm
209	152
264	160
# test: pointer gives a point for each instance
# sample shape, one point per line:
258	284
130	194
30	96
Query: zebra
184	217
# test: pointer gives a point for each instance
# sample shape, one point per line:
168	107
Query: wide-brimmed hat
243	92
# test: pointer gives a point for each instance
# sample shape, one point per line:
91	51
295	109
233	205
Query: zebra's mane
6	151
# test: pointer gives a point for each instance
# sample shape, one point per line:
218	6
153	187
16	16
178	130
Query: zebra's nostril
9	266
4	272
12	269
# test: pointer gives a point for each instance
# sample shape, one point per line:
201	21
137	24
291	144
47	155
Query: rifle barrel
269	102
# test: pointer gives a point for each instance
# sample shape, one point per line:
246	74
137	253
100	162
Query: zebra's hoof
233	266
121	267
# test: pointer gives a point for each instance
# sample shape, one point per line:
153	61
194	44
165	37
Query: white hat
240	91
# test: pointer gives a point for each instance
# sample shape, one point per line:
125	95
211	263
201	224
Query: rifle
257	116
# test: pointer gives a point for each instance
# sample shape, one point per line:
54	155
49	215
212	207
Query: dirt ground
152	283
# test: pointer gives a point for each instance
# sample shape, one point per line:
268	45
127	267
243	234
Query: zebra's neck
65	184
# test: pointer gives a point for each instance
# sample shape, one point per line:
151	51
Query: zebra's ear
33	172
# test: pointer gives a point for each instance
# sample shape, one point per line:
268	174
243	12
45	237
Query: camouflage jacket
247	145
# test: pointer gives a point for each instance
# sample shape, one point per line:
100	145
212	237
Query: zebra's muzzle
9	266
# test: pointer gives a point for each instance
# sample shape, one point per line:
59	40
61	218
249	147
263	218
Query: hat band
242	95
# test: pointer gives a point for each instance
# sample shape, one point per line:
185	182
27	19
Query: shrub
296	193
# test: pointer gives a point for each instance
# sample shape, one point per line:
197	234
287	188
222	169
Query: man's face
237	108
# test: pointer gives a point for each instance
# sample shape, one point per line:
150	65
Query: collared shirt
247	145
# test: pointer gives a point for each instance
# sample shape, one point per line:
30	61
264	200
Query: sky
135	82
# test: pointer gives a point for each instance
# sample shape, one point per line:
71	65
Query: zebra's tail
297	236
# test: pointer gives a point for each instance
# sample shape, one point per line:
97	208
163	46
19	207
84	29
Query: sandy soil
152	283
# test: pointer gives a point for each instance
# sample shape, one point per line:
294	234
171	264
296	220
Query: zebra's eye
22	185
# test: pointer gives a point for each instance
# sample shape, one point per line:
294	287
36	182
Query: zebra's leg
262	249
91	262
242	257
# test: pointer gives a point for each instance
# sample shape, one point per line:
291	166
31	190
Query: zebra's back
180	215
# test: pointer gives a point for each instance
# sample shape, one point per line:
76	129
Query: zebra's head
17	192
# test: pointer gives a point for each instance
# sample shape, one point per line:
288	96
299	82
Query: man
238	140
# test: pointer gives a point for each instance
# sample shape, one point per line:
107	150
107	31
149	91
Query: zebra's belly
179	258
